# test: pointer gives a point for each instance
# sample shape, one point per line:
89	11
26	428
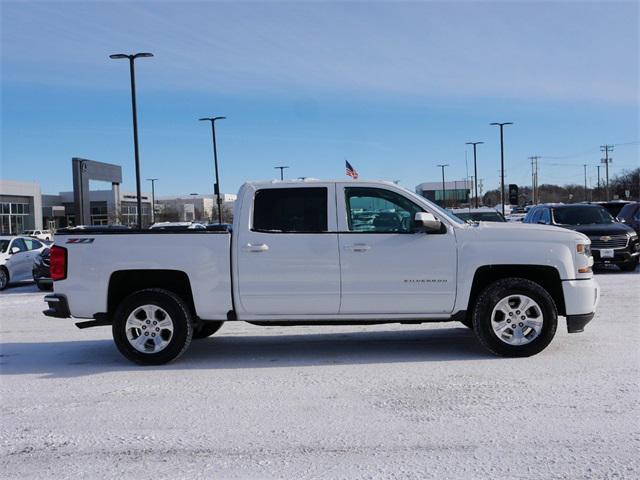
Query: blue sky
394	87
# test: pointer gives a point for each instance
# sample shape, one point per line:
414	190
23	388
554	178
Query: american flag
352	172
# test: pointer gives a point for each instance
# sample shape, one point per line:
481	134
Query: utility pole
281	171
216	186
585	182
501	125
606	160
444	203
134	111
153	199
475	168
534	178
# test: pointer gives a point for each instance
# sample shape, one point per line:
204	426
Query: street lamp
131	58
281	171
501	125
475	169
216	187
153	199
444	204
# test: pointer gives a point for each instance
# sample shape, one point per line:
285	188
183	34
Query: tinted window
290	210
582	215
379	211
19	243
545	216
4	244
534	216
32	244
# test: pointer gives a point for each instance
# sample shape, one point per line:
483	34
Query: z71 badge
80	240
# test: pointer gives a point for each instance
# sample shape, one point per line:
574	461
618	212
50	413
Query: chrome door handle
358	247
259	247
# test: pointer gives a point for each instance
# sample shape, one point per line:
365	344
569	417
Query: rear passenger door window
290	210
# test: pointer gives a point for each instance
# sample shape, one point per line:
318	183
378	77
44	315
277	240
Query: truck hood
525	231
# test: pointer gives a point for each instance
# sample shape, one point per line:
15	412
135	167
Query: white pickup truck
329	253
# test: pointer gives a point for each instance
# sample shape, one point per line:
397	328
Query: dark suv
612	242
630	215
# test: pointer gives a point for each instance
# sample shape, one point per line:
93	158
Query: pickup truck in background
328	253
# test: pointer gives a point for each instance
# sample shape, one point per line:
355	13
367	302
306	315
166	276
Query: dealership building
24	207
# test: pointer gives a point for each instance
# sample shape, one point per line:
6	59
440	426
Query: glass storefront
15	218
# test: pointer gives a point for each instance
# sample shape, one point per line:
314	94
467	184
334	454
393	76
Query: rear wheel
515	317
45	287
206	329
152	327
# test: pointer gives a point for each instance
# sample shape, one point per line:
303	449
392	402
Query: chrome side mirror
427	223
14	250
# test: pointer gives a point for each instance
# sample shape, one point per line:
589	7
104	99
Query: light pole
444	203
216	187
132	73
281	171
153	199
585	182
501	125
475	169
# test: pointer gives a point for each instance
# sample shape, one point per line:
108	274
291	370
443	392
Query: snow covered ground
321	402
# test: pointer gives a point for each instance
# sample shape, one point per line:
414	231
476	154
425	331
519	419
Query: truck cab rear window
300	210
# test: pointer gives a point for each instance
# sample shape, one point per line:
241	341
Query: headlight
584	249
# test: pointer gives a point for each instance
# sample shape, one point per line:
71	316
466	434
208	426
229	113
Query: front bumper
576	323
58	306
581	299
619	256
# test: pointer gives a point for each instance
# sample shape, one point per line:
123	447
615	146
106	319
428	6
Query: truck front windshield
450	216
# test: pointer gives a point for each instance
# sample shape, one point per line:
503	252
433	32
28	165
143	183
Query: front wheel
4	278
152	327
515	317
629	267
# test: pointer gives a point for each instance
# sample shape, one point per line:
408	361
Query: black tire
44	287
179	315
629	267
4	278
206	329
497	291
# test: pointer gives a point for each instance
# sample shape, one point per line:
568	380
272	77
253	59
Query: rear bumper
58	306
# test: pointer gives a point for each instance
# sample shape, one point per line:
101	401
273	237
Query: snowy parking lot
412	401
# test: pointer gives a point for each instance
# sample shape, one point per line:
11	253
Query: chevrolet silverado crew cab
325	253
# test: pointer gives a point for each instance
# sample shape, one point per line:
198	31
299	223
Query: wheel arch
546	276
123	283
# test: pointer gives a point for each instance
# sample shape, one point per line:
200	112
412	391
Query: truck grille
609	241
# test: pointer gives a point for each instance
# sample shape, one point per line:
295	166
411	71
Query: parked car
45	235
478	214
630	215
41	272
16	258
612	242
296	257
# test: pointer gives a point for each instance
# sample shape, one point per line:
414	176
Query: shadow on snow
90	357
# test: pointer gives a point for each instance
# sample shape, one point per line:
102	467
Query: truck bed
98	257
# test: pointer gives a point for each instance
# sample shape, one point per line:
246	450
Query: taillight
58	266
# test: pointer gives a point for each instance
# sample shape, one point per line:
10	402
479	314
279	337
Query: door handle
358	247
259	247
